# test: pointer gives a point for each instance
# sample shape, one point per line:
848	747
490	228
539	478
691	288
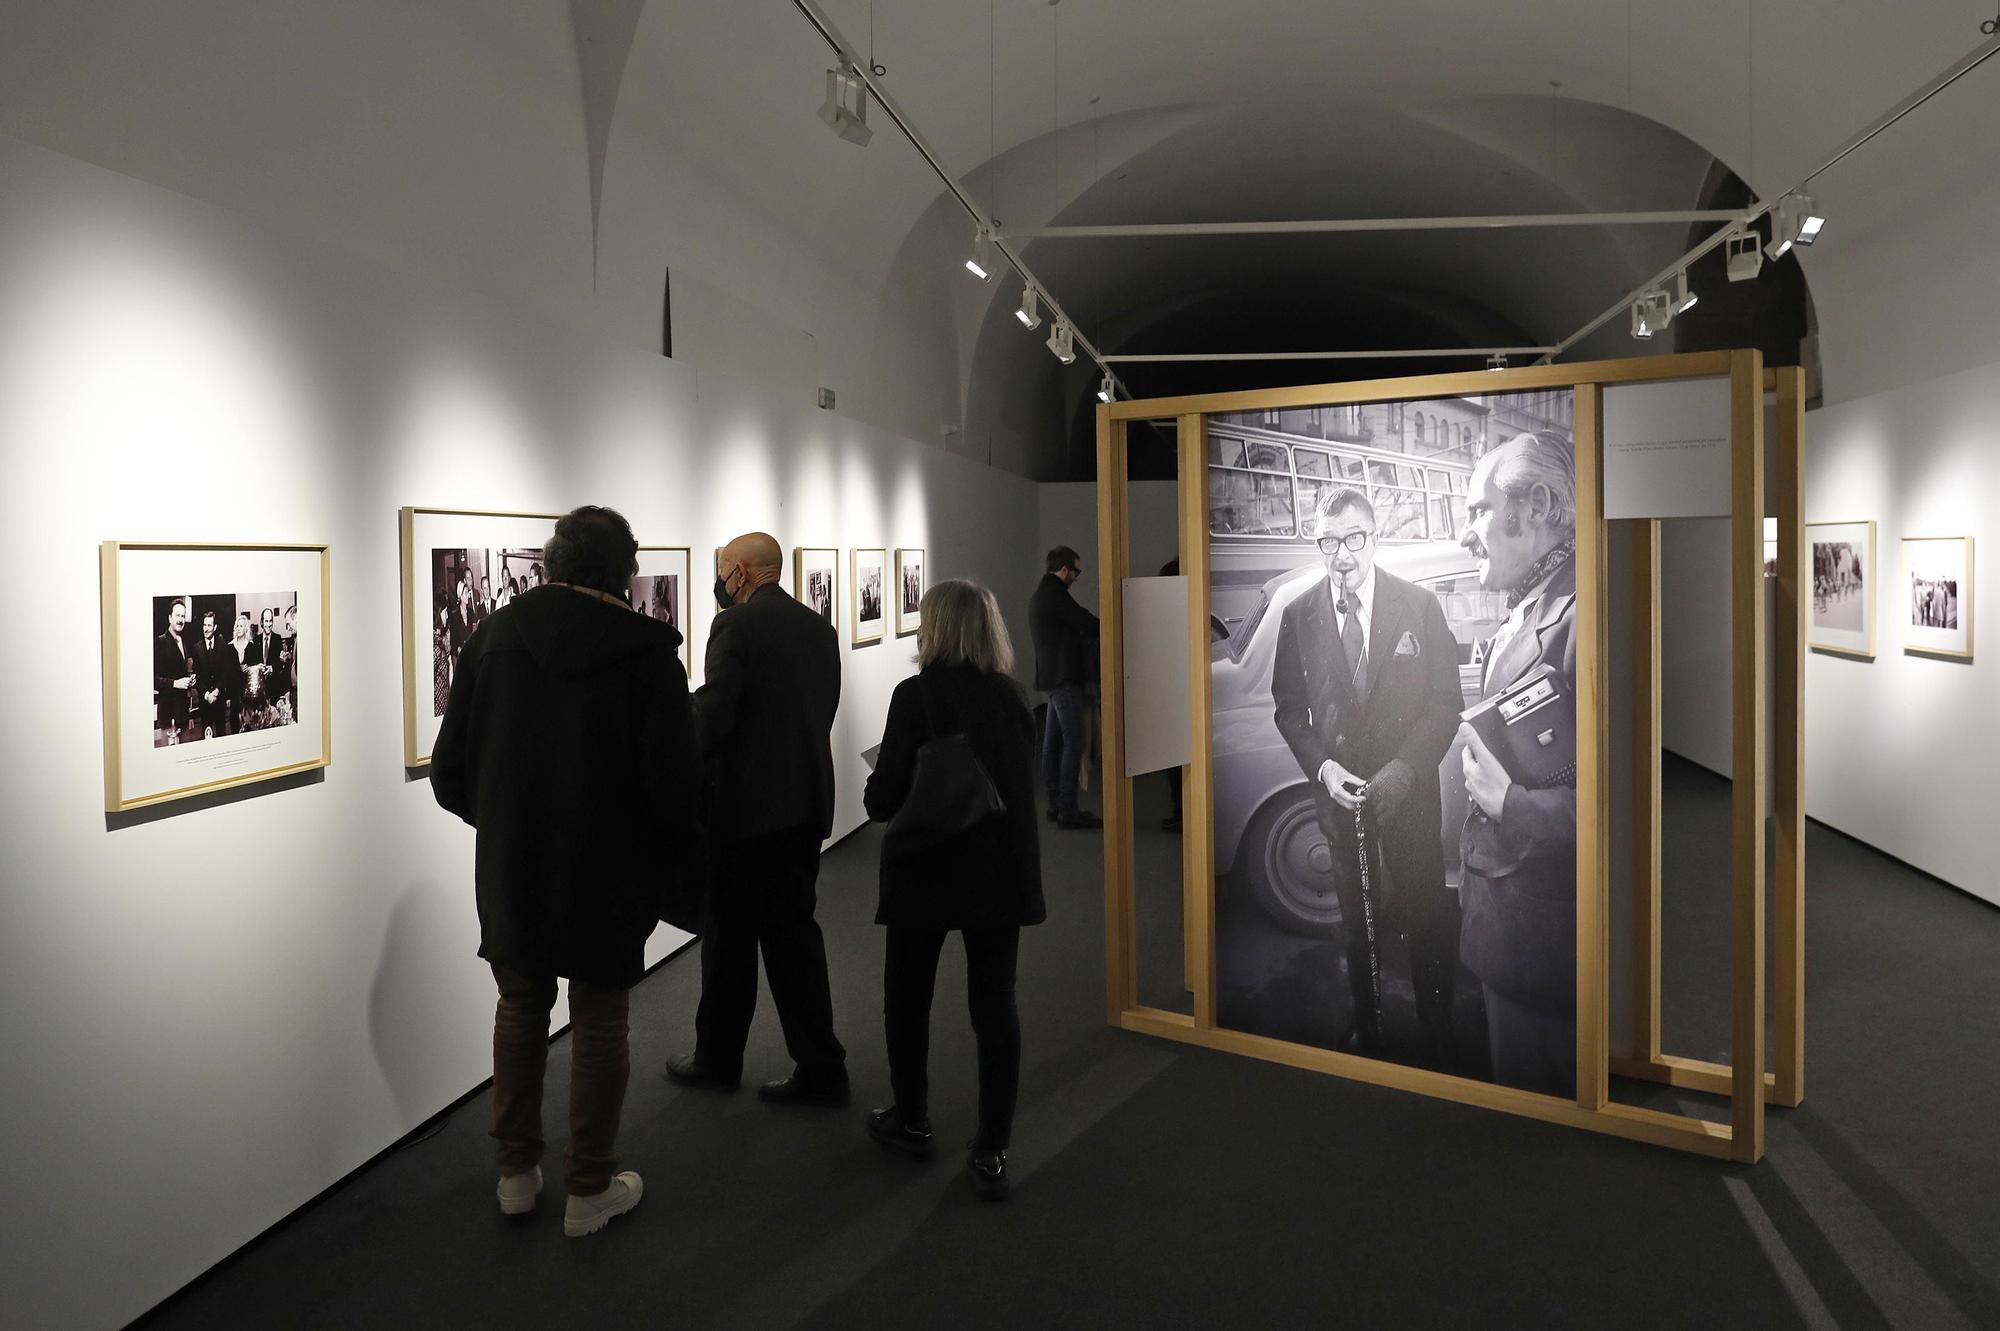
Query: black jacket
1406	714
990	874
764	715
1064	634
568	743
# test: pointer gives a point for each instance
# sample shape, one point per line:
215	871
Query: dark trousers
763	895
1534	1048
909	977
1062	746
1426	917
600	1064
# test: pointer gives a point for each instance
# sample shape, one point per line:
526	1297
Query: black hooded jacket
569	744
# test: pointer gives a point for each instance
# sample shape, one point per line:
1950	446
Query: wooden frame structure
1638	1050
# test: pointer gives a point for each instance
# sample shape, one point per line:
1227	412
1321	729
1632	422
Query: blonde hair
961	623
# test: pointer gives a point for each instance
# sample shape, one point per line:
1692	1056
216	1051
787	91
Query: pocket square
1407	645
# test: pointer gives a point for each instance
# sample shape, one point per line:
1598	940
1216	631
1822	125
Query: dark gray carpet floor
1166	1186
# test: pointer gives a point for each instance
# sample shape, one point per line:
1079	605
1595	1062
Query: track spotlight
1797	221
1652	312
1496	362
1642	323
1107	389
1029	311
1684	299
1062	342
1746	260
846	107
978	263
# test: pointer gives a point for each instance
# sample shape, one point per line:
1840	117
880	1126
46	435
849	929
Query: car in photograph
1268	843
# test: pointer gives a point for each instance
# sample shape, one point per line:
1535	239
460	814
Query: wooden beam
1788	758
1198	793
1644	1034
1691	1074
1593	805
1748	754
1114	544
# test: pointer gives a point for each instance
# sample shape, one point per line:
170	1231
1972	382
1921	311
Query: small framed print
1936	596
661	591
459	566
215	667
813	580
909	591
868	579
1841	617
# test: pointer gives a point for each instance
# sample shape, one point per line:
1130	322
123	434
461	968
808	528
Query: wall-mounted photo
1841	615
205	685
1937	595
868	580
909	591
459	566
1393	683
661	591
813	579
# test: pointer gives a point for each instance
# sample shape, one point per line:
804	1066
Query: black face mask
723	600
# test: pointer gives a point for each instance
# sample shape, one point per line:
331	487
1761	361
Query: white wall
213	1012
1068	516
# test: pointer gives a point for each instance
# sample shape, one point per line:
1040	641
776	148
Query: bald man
764	718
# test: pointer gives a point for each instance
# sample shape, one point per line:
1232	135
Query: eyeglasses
1354	541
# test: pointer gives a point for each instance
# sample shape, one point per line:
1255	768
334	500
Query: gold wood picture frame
867	594
912	580
663	589
816	580
1935	596
211	675
1842	595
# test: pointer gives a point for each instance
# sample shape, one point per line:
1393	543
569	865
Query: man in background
571	723
1065	634
764	715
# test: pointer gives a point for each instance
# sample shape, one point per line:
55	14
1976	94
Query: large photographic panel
1937	595
214	667
459	566
1840	557
868	582
1394	736
662	590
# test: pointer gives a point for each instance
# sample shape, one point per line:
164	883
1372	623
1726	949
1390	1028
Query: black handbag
950	792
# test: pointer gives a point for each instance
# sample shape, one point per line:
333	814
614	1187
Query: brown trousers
600	1065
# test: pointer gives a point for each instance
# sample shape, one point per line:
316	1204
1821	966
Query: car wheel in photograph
1285	863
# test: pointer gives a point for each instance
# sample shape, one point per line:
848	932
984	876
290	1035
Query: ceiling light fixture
1062	342
1746	260
1642	325
1797	221
978	263
1496	361
1107	389
1684	299
846	108
1029	311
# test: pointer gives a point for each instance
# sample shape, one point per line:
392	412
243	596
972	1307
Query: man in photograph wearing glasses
1367	694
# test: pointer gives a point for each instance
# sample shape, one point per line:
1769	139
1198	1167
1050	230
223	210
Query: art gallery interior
272	273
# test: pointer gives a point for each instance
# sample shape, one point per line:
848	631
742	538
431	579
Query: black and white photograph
1393	677
1937	577
1841	563
663	590
867	576
223	664
910	590
204	688
813	579
459	567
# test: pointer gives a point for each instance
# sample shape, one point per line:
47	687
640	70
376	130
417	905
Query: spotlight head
1652	312
1062	342
845	110
1496	362
1684	299
1107	388
1746	260
1029	311
1642	326
979	263
1798	221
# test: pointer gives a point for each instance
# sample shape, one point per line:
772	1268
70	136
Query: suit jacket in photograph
764	716
1519	887
171	661
1406	710
217	668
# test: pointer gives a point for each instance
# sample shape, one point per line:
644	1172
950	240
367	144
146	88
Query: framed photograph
662	591
813	579
910	586
1937	596
215	667
1841	617
868	580
459	566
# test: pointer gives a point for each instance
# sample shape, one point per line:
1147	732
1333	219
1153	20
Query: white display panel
1666	449
1156	675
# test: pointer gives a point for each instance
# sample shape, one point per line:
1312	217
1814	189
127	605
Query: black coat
1064	634
764	715
569	744
1407	713
990	874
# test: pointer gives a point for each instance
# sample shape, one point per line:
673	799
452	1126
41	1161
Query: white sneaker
587	1215
518	1191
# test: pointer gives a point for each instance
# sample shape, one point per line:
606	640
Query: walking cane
1368	927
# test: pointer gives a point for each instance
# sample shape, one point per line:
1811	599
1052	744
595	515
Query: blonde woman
983	883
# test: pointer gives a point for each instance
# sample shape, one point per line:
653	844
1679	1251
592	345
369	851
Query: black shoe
791	1091
989	1175
1079	820
889	1130
689	1070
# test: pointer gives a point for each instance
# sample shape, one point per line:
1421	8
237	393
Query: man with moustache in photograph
216	676
173	673
1519	886
1366	691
